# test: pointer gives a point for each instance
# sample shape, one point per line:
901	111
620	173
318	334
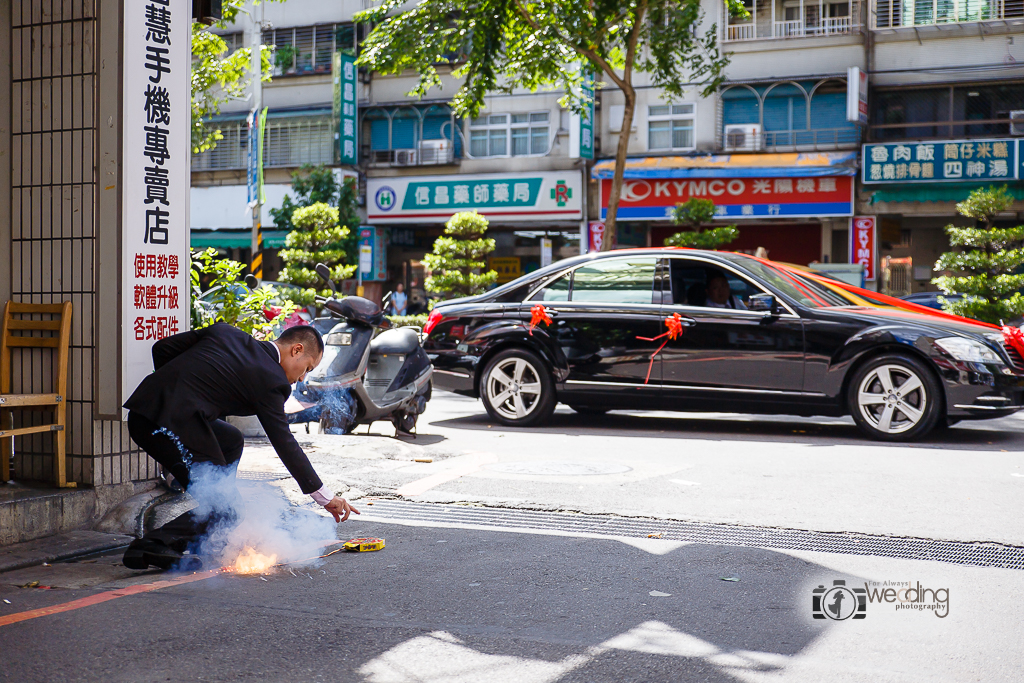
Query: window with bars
670	127
234	41
907	13
308	49
500	135
288	142
960	111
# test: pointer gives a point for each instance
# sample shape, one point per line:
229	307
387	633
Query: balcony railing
819	139
911	13
766	21
423	156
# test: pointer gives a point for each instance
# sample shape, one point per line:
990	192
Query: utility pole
257	105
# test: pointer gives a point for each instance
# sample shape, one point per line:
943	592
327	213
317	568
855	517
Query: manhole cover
558	469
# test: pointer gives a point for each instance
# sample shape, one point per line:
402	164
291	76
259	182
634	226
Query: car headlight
968	350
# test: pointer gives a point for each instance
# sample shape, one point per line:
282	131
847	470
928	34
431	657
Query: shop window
617	281
499	135
971	110
670	127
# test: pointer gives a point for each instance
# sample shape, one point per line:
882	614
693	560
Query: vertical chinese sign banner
156	120
862	244
345	106
581	128
257	123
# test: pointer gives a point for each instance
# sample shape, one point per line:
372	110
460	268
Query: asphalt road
453	602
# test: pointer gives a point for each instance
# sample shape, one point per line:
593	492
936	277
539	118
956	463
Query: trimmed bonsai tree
988	264
695	214
457	264
317	238
315	184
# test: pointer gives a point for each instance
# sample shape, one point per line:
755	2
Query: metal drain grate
954	552
250	475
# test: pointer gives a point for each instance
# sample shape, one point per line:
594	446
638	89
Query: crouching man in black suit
176	415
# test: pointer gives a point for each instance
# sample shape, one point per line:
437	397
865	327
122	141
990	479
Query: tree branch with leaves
498	46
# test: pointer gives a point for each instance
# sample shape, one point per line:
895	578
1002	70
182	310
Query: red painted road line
104	597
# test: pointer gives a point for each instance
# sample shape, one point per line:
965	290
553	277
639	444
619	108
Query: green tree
317	238
458	259
217	76
506	45
988	263
695	214
318	185
227	299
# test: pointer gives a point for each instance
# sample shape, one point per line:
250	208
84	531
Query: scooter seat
358	309
401	340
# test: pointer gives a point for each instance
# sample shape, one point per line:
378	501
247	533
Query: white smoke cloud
258	516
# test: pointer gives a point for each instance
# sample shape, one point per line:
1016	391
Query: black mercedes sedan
689	330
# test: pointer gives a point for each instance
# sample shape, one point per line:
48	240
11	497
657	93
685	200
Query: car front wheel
516	388
895	398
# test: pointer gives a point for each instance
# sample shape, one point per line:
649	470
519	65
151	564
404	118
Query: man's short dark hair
306	335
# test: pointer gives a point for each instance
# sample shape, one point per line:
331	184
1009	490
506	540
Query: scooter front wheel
405	422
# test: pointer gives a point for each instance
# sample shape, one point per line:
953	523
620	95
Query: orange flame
252	562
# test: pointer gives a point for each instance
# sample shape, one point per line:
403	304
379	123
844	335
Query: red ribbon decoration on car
1014	336
537	316
674	323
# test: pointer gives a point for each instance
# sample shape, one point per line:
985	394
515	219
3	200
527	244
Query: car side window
708	286
556	290
617	281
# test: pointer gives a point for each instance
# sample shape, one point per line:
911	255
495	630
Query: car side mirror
763	302
251	282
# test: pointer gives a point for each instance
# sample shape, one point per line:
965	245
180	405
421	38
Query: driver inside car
720	295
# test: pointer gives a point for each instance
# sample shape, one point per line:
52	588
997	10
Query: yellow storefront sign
508	268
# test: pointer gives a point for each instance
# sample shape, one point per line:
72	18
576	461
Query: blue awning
790	165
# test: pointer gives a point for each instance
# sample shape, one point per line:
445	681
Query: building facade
774	147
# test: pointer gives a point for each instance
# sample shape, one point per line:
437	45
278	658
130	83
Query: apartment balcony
751	138
770	20
893	14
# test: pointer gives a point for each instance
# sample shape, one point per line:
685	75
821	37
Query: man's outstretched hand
340	508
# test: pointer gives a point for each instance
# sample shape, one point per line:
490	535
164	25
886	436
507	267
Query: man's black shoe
144	552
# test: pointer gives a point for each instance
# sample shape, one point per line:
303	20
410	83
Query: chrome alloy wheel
892	399
513	388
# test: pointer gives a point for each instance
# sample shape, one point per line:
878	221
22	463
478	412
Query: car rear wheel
895	398
516	389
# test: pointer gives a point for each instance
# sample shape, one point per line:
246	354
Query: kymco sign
862	244
735	197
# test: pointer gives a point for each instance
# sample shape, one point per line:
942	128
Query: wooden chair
56	332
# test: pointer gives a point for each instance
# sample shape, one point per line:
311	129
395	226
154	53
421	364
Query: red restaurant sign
653	199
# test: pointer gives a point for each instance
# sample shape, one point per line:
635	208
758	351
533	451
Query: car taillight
432	321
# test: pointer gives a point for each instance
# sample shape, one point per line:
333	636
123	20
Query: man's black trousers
164	447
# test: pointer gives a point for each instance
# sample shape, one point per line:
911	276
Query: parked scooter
362	378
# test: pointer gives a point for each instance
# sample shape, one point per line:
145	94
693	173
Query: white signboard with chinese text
857	96
156	120
549	195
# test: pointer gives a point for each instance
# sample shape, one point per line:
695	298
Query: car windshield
803	290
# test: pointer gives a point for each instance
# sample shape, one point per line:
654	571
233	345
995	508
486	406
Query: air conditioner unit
1017	122
743	137
404	157
434	151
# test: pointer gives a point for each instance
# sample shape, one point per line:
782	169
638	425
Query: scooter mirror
251	282
325	273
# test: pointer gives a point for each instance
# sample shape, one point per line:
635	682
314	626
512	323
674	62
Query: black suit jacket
204	375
